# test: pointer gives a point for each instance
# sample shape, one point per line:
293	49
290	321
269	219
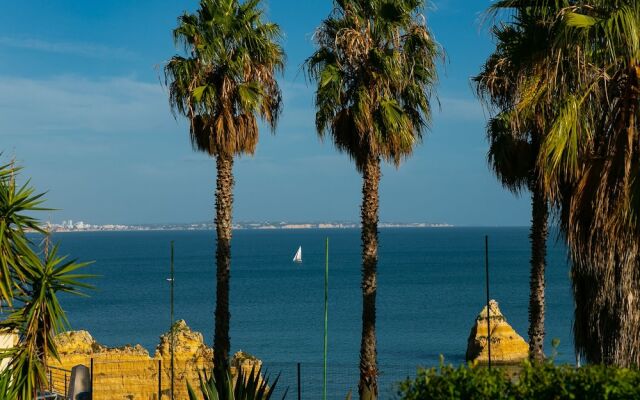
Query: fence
305	380
151	380
59	380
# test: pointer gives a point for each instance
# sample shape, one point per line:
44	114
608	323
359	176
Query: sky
84	111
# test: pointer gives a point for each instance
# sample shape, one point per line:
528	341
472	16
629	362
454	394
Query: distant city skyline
83	110
81	226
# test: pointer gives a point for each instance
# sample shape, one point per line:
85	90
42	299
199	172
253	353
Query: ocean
430	289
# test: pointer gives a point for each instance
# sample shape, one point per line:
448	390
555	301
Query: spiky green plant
222	386
35	313
224	83
37	318
16	204
375	69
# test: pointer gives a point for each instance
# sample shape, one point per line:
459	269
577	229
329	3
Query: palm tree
589	163
375	72
513	160
225	81
592	146
511	74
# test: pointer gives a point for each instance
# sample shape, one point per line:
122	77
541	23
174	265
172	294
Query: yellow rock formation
507	347
130	373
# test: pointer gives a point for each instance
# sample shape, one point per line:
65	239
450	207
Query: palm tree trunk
224	203
368	386
538	237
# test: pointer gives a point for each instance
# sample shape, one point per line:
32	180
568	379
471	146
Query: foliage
224	82
16	252
588	85
35	315
375	69
534	381
222	386
513	84
227	77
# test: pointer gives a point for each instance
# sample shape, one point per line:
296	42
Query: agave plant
222	386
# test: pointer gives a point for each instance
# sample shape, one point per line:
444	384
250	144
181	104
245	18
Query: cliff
129	372
507	347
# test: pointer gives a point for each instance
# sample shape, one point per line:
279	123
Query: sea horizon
430	290
251	225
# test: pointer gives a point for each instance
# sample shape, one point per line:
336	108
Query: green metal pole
326	317
172	323
486	266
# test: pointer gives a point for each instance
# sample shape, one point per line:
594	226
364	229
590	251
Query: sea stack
507	347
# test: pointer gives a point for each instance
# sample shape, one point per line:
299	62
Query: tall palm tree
513	160
592	145
589	162
222	85
375	72
506	83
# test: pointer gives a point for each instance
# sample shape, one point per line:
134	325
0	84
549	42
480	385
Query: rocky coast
132	373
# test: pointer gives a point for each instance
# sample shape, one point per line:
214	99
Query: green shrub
544	381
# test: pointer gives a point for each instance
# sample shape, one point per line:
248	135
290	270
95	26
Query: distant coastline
80	226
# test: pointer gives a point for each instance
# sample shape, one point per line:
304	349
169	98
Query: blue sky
83	110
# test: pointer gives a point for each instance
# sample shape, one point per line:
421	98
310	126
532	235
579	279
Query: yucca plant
30	284
37	320
222	386
16	203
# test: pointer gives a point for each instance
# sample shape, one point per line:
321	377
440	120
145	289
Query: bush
544	381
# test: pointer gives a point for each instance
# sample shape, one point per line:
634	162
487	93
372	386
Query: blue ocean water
430	288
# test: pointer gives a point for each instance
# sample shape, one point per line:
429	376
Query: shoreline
245	228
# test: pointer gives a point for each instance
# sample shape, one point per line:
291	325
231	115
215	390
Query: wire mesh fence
151	380
306	380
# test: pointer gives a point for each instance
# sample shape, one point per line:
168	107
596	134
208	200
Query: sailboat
298	257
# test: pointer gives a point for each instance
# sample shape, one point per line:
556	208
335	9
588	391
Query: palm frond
375	69
226	76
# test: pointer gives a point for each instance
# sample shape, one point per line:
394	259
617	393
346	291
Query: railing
151	379
59	379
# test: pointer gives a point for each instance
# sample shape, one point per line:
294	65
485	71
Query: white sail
298	257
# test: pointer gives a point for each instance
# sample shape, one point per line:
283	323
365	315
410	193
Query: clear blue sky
82	108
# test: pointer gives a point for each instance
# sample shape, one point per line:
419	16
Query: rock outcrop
130	373
507	347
